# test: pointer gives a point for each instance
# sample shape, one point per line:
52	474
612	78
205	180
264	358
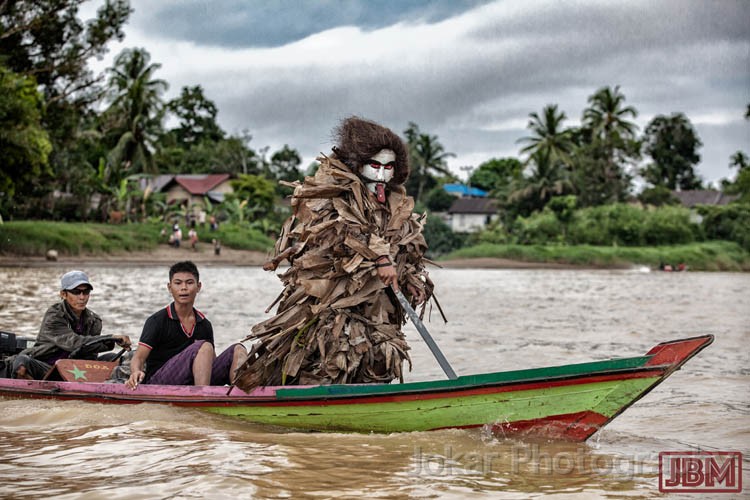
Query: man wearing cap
65	327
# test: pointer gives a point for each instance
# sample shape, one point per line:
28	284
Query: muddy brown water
498	320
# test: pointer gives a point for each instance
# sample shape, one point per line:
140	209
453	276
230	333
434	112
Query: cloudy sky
468	71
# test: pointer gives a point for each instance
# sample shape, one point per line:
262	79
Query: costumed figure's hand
270	266
136	377
417	294
386	272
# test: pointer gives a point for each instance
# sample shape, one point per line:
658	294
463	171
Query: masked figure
352	235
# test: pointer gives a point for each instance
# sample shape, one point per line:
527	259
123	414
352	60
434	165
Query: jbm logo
700	472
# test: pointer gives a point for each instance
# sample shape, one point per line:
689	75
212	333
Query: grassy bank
34	238
707	256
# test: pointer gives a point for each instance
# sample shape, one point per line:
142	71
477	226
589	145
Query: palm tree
427	156
136	110
612	143
606	118
546	179
549	137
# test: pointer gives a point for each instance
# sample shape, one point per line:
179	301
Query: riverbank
165	255
469	258
25	244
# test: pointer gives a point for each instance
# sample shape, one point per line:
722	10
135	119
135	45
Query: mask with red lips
378	171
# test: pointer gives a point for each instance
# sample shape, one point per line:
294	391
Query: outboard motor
11	344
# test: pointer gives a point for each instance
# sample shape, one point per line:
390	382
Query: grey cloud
686	56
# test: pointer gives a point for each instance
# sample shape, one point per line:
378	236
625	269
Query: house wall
470	223
177	194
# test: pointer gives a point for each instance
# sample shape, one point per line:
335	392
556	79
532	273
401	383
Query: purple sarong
179	369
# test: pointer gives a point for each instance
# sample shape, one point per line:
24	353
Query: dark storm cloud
269	23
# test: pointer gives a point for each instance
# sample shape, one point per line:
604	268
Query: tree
136	112
197	116
607	149
545	180
673	145
548	136
606	117
256	192
439	200
427	156
497	174
46	39
24	144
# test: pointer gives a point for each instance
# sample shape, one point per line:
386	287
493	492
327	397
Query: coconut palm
606	118
135	111
544	180
549	137
427	157
611	148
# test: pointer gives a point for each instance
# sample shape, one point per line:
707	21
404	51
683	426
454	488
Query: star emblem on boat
78	374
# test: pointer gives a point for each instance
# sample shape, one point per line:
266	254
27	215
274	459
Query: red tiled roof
200	184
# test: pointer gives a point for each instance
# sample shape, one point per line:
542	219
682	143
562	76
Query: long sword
425	335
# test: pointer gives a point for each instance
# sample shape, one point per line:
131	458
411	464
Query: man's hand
122	341
136	377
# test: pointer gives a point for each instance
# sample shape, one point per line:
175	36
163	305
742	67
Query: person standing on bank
176	346
65	327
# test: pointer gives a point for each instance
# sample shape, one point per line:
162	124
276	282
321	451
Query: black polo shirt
165	336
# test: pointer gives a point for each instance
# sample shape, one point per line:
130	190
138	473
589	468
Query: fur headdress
359	140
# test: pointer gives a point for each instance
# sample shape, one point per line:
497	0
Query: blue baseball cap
73	279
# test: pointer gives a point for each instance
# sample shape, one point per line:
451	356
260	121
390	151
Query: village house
694	197
468	215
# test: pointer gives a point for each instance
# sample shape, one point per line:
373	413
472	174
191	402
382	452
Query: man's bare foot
22	373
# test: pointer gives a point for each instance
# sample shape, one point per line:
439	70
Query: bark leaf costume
336	323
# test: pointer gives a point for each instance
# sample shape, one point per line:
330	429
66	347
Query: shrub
538	228
730	222
668	226
440	238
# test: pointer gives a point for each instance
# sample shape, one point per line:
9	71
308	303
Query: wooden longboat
568	402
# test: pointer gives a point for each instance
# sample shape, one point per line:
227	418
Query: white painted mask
378	171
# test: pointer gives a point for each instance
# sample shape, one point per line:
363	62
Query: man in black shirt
178	341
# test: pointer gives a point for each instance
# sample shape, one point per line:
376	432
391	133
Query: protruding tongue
380	191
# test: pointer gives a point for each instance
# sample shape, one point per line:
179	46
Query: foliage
135	113
627	225
24	144
544	180
607	149
242	237
728	222
284	166
36	237
253	197
197	117
427	156
539	228
497	174
439	200
658	196
549	138
46	39
440	238
673	144
708	256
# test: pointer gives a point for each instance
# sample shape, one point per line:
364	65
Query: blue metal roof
464	190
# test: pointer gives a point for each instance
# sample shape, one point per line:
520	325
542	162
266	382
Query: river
498	320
